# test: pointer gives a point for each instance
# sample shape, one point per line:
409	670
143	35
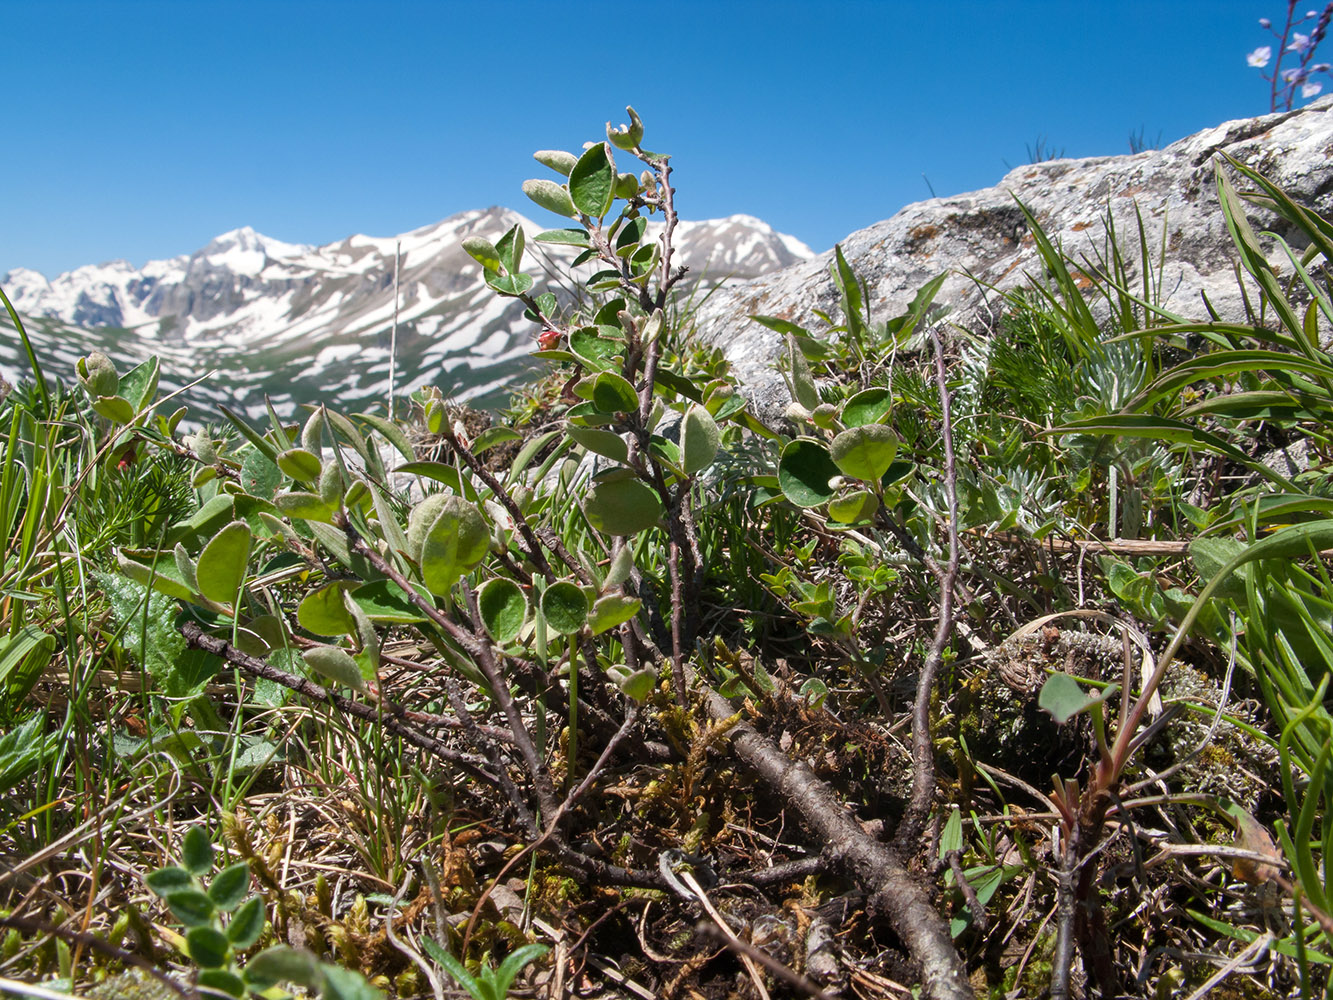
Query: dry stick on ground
923	749
871	863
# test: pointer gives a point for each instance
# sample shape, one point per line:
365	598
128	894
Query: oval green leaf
592	182
208	946
622	506
869	406
503	608
301	465
322	611
612	610
551	196
565	607
853	508
865	452
247	924
222	564
608	444
334	664
229	889
699	440
612	393
455	542
804	472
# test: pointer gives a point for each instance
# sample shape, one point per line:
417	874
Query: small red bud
548	339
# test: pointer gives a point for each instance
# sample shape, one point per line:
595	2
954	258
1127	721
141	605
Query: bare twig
923	749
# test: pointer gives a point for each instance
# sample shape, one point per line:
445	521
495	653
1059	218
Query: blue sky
140	129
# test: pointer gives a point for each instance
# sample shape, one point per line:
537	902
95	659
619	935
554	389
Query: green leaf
208	946
197	851
869	406
117	409
565	238
511	250
803	388
510	284
493	436
551	196
334	664
853	508
455	969
612	393
23	658
322	611
565	607
303	466
637	685
484	252
606	443
699	440
191	907
259	476
385	603
557	159
456	540
629	136
305	507
865	452
622	506
283	964
612	610
805	471
230	886
503	609
139	384
1064	698
951	837
247	924
512	965
588	344
222	981
168	880
222	564
592	182
344	984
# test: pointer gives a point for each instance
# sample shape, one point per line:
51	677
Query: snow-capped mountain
303	323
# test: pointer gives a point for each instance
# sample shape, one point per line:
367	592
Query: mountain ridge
298	323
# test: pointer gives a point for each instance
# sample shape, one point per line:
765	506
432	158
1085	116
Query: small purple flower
1311	88
1319	68
1265	22
1295	75
1260	56
1299	42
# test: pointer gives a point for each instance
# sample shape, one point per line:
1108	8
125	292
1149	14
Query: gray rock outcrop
981	239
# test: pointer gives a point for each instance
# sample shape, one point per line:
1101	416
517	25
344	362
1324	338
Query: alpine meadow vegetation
997	666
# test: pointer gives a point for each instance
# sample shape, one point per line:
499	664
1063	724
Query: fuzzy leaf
456	541
699	440
865	452
551	196
622	506
335	665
